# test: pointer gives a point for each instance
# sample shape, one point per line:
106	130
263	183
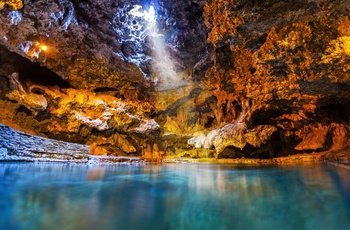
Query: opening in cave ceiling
144	45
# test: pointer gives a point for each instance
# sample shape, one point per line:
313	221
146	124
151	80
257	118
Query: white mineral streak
107	115
15	17
198	140
3	152
230	134
98	123
147	125
30	48
121	106
233	134
69	18
66	17
25	47
57	16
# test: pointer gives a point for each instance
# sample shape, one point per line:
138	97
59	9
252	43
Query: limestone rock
78	114
259	135
341	137
230	134
33	102
334	137
234	134
314	139
147	126
198	140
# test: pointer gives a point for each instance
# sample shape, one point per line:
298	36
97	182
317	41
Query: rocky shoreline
307	158
20	146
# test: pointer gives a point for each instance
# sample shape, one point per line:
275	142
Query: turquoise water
173	196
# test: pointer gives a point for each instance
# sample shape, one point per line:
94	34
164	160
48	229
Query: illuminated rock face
289	60
192	78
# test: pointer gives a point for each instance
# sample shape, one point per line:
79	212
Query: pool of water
173	196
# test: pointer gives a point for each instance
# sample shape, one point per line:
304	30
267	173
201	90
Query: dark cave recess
29	72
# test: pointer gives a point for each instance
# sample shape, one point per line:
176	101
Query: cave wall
289	60
259	79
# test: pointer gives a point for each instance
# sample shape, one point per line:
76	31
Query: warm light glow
43	47
338	50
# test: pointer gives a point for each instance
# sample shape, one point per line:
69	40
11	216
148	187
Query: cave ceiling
96	44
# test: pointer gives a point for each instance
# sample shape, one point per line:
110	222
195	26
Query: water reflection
96	173
173	196
342	185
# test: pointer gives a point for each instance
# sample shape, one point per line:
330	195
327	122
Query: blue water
173	196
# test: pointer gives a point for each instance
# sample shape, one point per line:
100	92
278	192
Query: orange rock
341	137
97	150
314	138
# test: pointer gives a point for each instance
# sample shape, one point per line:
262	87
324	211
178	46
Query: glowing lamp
43	48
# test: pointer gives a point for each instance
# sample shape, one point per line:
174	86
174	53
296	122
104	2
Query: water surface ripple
173	196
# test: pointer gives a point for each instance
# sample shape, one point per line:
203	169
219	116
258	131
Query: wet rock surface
16	145
20	146
252	79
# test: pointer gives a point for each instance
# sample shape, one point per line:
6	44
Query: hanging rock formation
189	78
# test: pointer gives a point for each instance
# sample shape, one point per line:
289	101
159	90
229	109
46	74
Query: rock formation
184	78
19	146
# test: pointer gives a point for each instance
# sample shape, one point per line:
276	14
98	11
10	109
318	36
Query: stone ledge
20	146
